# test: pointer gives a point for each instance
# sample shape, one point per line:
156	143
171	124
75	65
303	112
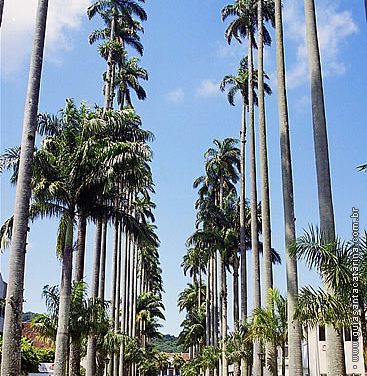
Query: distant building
171	371
3	286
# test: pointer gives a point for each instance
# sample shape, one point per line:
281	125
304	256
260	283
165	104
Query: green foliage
32	356
167	343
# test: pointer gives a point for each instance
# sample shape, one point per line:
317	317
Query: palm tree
243	26
112	11
13	309
270	325
127	79
62	182
240	83
239	347
335	356
294	328
178	362
223	162
334	262
265	203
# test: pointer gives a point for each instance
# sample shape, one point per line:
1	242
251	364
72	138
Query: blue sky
187	56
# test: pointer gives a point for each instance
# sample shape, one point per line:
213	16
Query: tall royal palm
335	352
265	198
239	83
10	365
115	9
223	161
244	26
294	328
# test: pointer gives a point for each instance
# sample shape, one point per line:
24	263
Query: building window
322	336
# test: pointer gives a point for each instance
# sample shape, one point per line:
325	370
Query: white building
3	286
314	354
317	346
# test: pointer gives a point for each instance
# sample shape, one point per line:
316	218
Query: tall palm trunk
223	294
265	200
92	341
294	328
215	299
242	215
102	273
62	336
134	293
117	293
208	304
75	357
334	338
254	226
236	311
14	298
80	248
113	283
125	299
75	350
110	70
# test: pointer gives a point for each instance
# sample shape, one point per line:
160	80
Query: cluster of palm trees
222	238
92	167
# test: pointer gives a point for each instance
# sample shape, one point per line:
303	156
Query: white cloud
230	51
334	27
18	29
175	96
208	88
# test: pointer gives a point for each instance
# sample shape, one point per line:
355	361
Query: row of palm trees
208	243
92	166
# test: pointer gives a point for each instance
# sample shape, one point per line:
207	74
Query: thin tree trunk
243	216
113	284
118	297
75	350
131	286
102	274
335	345
14	298
265	200
62	336
254	217
110	71
80	248
295	365
236	311
134	298
92	340
223	294
200	283
208	305
215	300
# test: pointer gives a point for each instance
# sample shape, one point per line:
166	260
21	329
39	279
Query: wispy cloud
334	27
208	88
175	96
230	51
18	28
